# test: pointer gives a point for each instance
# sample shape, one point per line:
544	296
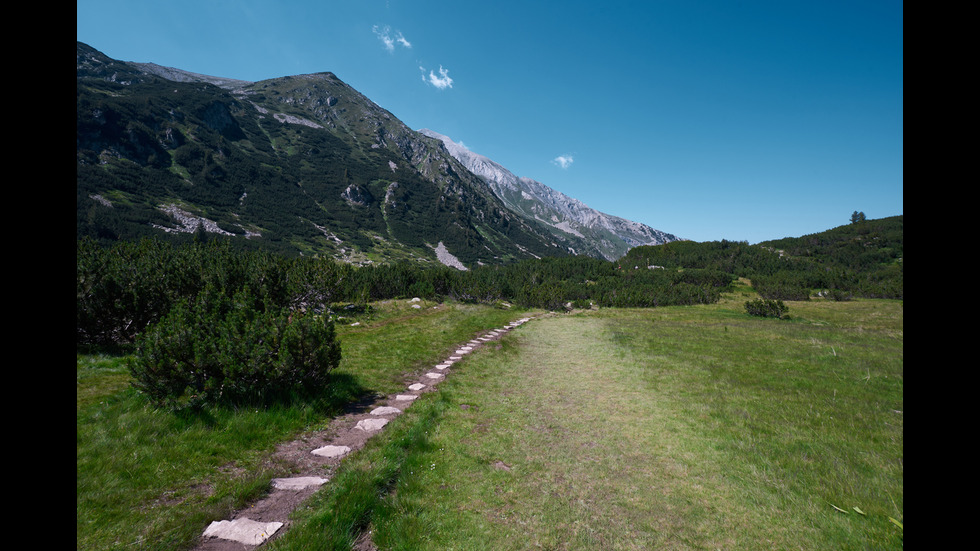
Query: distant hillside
582	229
858	245
299	165
860	259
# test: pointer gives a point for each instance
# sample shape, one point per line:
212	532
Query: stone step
371	425
242	530
331	451
298	482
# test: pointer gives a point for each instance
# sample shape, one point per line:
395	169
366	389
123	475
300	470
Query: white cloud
442	81
384	35
563	161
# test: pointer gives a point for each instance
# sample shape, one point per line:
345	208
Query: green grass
100	376
670	428
152	479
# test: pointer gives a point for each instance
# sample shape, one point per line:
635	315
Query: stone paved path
320	454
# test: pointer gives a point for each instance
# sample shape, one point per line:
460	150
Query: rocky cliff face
585	230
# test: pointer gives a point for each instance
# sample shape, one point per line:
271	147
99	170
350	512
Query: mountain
300	164
581	229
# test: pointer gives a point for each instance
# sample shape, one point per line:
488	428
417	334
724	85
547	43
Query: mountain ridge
589	230
304	164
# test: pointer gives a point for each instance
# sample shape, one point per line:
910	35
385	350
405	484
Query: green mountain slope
861	259
301	165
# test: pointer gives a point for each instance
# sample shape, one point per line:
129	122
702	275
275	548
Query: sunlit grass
154	479
671	428
99	376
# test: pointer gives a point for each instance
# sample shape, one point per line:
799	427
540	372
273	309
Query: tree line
126	287
861	259
213	322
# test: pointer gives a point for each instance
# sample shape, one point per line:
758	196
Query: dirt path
316	456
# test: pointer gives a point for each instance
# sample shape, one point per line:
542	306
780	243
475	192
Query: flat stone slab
416	386
433	375
331	451
443	366
455	358
371	425
297	482
385	410
242	530
403	397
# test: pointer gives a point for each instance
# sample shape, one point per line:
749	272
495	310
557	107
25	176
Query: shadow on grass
115	350
343	394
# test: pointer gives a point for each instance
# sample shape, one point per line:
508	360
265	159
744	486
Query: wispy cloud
563	161
383	32
440	81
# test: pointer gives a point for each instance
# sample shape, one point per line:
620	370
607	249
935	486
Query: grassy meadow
152	479
696	427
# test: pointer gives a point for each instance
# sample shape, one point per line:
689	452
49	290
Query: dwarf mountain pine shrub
233	350
766	308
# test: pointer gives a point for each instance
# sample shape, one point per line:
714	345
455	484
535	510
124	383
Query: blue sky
744	120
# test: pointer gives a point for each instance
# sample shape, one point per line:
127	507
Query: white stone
416	386
403	397
442	366
433	375
385	410
298	482
371	425
242	530
331	451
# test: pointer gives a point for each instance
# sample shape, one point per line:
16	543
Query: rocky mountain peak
586	230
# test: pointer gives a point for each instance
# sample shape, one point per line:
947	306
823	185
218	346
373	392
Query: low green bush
839	295
781	291
766	308
233	350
